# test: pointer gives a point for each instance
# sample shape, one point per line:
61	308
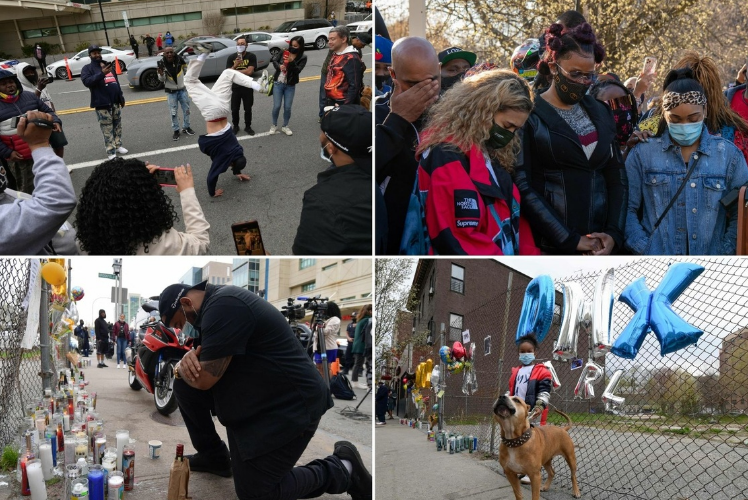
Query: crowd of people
36	191
550	154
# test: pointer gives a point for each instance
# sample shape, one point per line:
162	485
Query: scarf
10	98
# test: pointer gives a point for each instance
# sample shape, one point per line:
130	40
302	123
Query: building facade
246	274
733	372
192	277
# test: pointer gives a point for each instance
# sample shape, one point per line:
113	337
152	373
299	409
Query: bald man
416	81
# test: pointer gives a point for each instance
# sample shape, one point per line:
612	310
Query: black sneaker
104	365
361	488
236	129
249	130
212	466
99	366
175	137
188	131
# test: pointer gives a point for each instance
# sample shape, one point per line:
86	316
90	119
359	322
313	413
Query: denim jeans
284	92
179	97
121	346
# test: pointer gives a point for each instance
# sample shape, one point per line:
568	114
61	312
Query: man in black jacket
336	213
245	63
245	342
106	98
400	115
101	330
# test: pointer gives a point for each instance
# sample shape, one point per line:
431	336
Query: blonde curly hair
463	116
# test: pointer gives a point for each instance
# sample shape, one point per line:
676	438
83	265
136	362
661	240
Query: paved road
281	167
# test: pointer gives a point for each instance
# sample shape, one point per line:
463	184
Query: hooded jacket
105	89
344	72
173	76
31	87
25	101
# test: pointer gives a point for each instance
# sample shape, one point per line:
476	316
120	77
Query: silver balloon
555	381
591	374
602	313
566	344
608	396
435	377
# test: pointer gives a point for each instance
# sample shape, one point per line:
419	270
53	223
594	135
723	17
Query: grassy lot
35	353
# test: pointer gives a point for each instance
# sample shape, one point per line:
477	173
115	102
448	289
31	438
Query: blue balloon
537	309
654	312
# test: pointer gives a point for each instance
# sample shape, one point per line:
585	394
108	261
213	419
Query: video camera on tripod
318	306
292	311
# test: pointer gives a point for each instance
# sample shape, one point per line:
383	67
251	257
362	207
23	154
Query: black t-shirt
271	391
248	59
101	329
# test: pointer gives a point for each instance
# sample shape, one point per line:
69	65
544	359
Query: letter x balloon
653	312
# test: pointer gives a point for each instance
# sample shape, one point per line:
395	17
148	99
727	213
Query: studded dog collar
517	442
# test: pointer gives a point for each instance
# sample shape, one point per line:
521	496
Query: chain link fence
682	431
20	382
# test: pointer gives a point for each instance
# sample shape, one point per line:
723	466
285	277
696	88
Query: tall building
245	273
132	306
217	273
68	24
192	277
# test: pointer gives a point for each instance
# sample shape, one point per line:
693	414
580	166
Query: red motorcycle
151	364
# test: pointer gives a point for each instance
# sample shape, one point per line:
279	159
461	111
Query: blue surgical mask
685	134
526	358
322	155
187	329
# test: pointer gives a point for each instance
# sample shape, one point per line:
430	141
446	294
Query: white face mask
241	48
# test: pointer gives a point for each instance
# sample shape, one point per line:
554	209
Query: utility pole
103	21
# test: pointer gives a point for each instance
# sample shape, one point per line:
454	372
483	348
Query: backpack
415	239
341	388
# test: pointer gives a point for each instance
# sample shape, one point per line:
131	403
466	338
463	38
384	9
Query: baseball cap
92	48
382	50
456	53
349	128
168	301
364	37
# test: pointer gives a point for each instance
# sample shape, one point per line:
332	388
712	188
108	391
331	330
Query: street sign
109	276
124	16
123	299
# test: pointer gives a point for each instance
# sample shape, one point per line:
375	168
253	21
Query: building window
432	283
345	261
457	283
455	327
308	287
327	268
431	329
347	299
305	263
366	296
487	346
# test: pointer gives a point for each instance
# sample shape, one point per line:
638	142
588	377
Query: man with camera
14	101
106	98
251	369
171	71
31	222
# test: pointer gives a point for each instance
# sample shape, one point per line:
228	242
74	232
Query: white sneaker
362	385
122	150
286	130
525	479
118	366
203	48
273	129
112	157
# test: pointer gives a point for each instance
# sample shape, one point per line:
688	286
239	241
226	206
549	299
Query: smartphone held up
247	238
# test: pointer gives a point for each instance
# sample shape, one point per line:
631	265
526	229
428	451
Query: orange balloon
53	273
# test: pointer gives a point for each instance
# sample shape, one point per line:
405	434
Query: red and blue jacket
468	210
540	381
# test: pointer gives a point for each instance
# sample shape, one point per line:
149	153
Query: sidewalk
122	408
408	467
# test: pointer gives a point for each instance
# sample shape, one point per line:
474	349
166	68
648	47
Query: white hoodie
30	87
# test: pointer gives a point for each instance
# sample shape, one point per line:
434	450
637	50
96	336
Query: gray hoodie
30	87
28	225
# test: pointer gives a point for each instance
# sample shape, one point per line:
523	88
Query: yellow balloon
53	273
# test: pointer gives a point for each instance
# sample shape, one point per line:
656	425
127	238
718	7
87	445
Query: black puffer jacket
292	69
565	195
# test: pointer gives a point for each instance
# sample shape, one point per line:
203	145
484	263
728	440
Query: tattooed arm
202	374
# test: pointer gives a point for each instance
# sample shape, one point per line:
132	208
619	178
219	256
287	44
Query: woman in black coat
288	65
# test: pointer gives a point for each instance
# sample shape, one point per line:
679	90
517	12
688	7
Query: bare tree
213	23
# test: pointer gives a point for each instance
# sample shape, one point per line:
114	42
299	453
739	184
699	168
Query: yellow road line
162	99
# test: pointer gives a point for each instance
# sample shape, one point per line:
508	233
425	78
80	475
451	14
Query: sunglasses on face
579	76
625	102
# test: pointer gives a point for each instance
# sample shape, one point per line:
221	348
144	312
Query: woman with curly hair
124	211
467	152
571	175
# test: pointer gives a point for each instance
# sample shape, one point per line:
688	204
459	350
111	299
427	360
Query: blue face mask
526	358
187	329
685	134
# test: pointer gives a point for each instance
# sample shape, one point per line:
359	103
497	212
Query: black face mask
568	91
293	50
382	80
32	78
449	81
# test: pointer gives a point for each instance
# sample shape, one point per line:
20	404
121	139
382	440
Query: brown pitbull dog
525	449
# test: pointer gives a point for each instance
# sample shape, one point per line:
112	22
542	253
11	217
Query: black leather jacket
565	195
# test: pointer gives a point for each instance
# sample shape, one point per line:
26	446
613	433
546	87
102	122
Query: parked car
364	26
314	31
8	64
76	63
350	6
275	43
143	73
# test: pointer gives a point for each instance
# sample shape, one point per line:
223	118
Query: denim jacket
697	223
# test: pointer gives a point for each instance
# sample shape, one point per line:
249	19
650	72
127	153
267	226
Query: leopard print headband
674	99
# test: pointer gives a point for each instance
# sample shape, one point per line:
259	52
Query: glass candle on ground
116	485
96	483
123	438
36	480
45	454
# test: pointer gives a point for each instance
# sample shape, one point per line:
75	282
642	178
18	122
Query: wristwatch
176	372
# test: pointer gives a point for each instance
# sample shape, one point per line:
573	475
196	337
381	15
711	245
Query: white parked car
76	63
313	31
275	43
364	26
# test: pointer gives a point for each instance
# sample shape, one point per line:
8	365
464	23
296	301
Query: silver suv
314	31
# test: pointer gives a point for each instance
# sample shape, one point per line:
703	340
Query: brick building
733	371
